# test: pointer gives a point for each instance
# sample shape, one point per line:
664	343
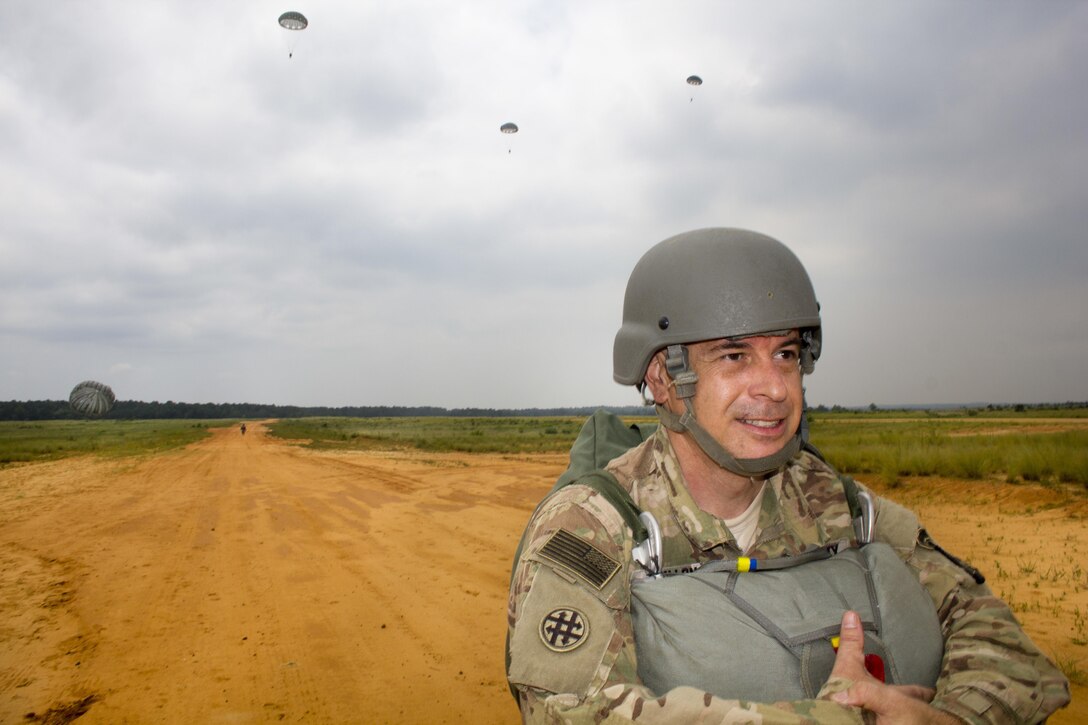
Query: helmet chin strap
684	378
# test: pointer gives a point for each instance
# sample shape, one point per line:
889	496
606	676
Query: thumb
850	659
850	631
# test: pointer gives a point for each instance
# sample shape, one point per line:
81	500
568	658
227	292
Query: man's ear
657	378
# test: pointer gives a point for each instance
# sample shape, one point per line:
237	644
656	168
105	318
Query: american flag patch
580	558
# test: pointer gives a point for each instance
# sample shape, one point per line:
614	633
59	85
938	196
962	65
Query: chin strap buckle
676	365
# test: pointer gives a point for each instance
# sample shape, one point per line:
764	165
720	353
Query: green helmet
712	283
704	285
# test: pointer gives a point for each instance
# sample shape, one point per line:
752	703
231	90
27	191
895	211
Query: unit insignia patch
564	629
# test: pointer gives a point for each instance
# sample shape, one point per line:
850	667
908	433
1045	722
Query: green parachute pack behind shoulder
603	436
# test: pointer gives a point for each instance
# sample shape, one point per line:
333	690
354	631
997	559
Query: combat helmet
704	285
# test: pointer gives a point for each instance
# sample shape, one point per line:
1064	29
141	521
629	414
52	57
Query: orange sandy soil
246	580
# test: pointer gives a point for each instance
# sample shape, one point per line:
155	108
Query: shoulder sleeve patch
579	557
561	636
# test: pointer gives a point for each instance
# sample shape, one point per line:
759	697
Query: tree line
140	410
154	410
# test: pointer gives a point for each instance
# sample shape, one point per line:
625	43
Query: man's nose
769	379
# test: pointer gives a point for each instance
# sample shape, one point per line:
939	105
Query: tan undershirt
743	527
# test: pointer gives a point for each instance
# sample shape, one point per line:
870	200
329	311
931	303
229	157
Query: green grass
1007	413
891	445
966	448
1070	667
52	439
877	443
464	435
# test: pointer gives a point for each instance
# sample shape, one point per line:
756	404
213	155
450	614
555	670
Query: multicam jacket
572	651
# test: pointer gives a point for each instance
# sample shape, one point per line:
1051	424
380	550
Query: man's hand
892	704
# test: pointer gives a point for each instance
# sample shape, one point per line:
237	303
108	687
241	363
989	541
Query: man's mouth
762	423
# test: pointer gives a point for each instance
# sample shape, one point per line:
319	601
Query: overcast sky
190	214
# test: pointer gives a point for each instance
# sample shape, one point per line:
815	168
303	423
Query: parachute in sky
694	81
509	127
91	398
293	22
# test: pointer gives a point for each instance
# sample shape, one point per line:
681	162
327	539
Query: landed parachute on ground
91	398
293	21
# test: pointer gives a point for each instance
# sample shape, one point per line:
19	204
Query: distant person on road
721	571
243	428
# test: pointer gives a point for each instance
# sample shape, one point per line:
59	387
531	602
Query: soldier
612	620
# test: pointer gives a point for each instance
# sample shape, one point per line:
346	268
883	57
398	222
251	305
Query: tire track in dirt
41	636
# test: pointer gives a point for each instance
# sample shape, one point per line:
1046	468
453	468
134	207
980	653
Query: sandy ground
244	580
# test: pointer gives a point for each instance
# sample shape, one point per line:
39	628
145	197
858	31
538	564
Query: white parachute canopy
92	398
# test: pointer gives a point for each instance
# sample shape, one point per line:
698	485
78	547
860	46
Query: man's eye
788	354
733	356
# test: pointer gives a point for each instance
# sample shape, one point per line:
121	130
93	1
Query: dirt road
244	580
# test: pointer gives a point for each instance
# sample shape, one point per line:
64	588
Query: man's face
749	393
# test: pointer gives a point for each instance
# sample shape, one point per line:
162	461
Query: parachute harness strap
744	564
684	378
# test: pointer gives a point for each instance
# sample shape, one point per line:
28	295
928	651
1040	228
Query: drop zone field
355	570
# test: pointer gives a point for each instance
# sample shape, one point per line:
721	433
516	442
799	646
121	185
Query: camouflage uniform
571	642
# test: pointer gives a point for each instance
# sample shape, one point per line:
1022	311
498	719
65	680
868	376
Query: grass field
460	435
1046	450
1025	447
1036	446
22	442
